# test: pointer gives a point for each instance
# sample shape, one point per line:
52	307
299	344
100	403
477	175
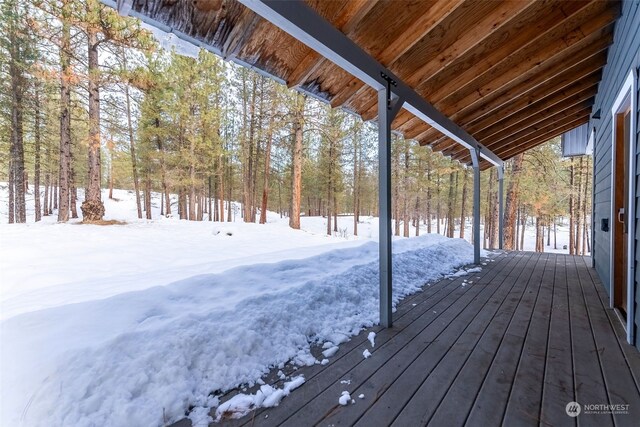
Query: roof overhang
503	76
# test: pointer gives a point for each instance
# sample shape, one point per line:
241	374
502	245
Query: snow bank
267	397
130	358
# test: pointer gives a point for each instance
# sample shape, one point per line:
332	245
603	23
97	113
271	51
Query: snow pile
366	353
345	398
372	338
267	397
464	272
138	357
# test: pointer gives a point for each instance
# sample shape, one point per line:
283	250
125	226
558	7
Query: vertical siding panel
623	55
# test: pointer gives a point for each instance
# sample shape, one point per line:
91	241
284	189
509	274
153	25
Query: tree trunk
267	164
65	114
585	241
47	180
463	213
517	242
495	217
36	137
147	195
92	207
192	181
230	196
17	201
73	189
110	146
571	209
578	210
56	188
356	189
132	148
428	208
12	185
511	204
523	226
182	203
248	180
221	170
539	232
450	207
335	211
488	224
213	203
296	162
405	184
438	203
329	198
417	215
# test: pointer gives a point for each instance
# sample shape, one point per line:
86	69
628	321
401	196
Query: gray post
387	110
500	206
475	157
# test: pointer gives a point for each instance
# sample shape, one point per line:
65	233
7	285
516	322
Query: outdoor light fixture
596	115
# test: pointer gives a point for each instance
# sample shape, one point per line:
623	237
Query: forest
93	100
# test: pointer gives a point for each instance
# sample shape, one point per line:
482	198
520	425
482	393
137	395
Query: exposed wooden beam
412	35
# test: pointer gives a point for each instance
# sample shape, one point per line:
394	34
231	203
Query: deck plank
525	399
454	342
458	401
619	380
588	380
491	400
558	387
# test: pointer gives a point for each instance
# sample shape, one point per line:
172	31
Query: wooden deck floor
532	333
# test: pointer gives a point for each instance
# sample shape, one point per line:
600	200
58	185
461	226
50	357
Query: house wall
623	56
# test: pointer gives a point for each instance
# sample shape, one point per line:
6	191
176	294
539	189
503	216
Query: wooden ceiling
513	74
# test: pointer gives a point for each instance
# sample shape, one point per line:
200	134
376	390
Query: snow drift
142	358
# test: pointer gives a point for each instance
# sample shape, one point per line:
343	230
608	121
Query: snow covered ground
131	324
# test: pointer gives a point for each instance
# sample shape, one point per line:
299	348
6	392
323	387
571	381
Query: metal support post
387	110
500	207
475	158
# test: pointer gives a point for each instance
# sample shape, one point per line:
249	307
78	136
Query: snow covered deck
532	333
